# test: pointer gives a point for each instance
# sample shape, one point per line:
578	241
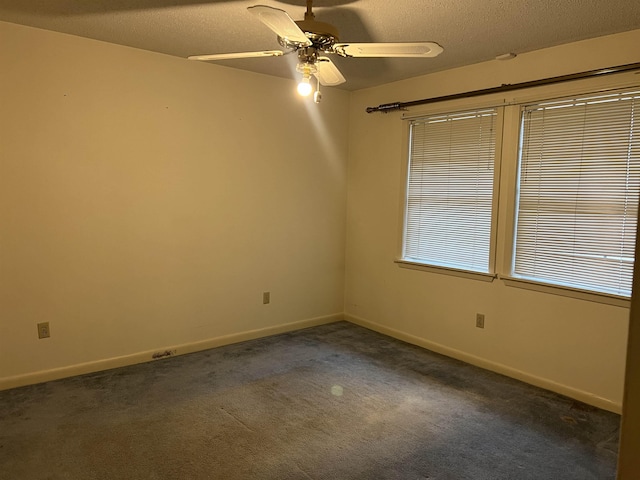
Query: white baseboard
547	384
152	355
163	352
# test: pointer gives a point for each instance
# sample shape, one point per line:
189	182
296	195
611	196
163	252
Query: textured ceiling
470	31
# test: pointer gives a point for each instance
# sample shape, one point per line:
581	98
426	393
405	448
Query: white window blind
579	178
450	190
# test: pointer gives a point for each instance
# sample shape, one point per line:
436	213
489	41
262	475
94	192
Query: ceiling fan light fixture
304	87
306	69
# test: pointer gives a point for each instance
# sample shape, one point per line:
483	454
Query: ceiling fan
312	39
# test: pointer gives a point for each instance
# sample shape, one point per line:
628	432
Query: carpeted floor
330	402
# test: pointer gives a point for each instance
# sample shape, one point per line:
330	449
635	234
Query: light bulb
304	87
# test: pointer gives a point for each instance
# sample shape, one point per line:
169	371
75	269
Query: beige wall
573	346
147	201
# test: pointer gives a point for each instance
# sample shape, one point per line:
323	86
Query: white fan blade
231	56
327	72
281	23
416	49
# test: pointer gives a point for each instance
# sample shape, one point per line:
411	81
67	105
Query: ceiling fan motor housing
322	35
307	55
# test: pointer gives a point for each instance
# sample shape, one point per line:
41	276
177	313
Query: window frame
505	180
595	99
408	263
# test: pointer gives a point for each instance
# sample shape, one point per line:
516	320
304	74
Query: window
579	175
450	190
569	206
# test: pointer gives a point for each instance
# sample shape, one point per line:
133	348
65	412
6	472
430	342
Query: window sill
614	300
604	298
485	277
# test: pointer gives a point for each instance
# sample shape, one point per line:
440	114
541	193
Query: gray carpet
330	402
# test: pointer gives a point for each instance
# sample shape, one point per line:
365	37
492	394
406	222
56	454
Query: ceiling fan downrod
308	15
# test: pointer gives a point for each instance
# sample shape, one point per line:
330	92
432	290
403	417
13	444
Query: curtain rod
507	87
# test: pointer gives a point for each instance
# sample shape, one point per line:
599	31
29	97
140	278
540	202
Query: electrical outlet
43	330
266	297
480	320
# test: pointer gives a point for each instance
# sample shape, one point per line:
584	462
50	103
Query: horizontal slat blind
450	189
578	187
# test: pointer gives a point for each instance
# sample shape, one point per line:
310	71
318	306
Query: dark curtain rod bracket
391	107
